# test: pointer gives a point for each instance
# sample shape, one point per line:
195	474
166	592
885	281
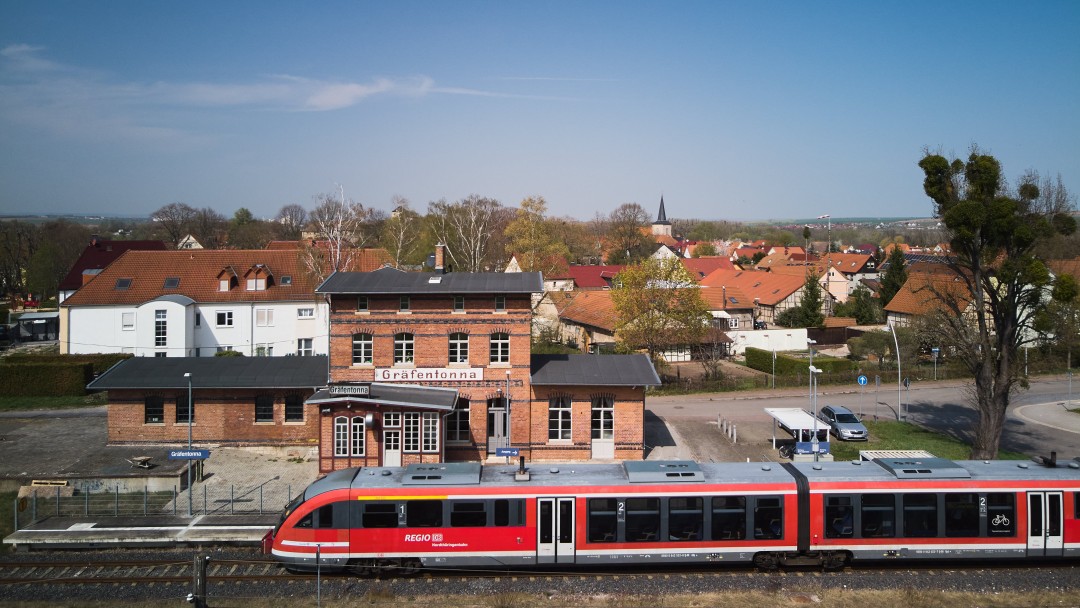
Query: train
828	514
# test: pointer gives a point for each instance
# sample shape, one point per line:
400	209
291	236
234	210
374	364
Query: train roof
686	473
941	469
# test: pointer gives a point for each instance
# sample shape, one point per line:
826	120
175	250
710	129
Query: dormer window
256	284
224	284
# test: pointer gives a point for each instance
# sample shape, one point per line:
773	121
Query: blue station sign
192	454
506	451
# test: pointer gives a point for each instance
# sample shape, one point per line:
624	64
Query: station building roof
214	372
593	370
391	281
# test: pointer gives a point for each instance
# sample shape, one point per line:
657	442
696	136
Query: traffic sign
862	380
506	451
192	454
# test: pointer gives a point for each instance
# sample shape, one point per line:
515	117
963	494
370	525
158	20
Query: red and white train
829	513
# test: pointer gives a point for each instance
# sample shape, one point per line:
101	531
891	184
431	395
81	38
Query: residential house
770	292
97	255
196	302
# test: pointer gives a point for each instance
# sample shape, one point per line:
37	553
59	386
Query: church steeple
661	227
661	218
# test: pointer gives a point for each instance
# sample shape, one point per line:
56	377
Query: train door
1045	524
391	448
555	530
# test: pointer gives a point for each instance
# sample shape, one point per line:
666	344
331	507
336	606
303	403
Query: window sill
404	366
294	423
264	423
457	312
153	424
567	442
361	312
363	366
499	365
404	312
459	364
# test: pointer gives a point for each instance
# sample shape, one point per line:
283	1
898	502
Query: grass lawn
893	435
52	403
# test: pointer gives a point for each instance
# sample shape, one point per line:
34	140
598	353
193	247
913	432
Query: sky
729	110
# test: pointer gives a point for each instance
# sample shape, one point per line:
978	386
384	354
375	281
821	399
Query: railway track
164	571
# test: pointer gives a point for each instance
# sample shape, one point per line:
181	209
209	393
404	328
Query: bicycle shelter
800	425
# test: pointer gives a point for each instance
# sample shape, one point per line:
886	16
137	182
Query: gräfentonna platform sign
193	454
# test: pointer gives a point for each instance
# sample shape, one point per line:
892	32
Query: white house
194	303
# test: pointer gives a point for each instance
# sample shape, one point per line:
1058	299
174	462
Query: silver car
845	424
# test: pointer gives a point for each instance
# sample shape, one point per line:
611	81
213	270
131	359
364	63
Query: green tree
895	276
534	239
1062	315
808	312
994	237
628	243
658	306
705	249
862	306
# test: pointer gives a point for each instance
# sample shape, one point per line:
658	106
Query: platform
143	532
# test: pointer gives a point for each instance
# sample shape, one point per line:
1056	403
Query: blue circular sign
862	380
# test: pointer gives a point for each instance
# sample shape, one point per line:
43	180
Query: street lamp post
810	346
935	350
813	404
828	258
189	418
899	397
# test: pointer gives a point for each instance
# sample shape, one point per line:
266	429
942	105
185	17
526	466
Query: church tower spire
661	227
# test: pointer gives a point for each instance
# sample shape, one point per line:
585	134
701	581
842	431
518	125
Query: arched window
361	349
403	348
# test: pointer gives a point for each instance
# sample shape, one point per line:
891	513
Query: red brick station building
423	367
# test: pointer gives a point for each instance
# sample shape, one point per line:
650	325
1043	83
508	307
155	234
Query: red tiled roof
364	260
593	308
768	287
593	277
99	254
1069	267
919	295
700	268
197	271
736	298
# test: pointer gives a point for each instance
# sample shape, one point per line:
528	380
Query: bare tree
174	220
628	242
466	228
208	226
18	242
341	223
401	231
290	222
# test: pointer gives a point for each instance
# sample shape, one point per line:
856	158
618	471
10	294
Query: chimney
439	254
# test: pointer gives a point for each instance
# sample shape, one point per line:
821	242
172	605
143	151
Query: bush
786	365
53	379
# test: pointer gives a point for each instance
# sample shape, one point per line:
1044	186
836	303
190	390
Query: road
1037	422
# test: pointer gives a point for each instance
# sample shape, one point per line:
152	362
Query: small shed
801	425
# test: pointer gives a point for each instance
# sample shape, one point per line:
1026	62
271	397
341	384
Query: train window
686	518
962	514
728	517
509	512
920	515
642	519
839	517
603	520
768	518
878	515
380	515
468	514
424	513
324	516
306	521
1000	514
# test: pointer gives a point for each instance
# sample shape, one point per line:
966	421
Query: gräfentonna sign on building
350	389
433	374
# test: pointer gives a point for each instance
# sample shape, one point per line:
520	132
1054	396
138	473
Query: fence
267	497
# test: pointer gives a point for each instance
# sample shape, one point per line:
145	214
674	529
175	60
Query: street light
899	398
189	419
828	258
813	404
810	346
935	350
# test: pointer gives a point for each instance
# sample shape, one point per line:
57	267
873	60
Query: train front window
878	515
1000	514
920	515
962	514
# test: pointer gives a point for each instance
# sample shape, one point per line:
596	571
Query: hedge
100	362
762	360
52	379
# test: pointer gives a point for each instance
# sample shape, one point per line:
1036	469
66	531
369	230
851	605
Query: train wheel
836	560
410	566
766	561
364	567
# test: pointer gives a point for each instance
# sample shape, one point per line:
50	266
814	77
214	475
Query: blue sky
730	110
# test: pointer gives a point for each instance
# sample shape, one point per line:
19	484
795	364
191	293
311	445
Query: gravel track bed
557	585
